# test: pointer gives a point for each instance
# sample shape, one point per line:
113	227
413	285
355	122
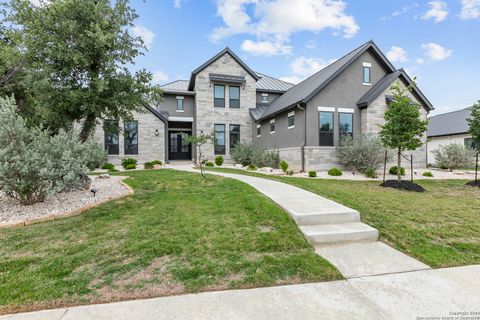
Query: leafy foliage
371	173
335	172
199	141
474	124
364	153
130	166
428	174
246	154
394	170
219	160
108	166
209	164
128	161
453	156
252	167
312	174
35	164
148	165
284	165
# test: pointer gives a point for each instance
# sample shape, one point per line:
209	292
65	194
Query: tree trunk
87	127
399	164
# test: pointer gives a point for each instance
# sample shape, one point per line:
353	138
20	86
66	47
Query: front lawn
440	227
176	234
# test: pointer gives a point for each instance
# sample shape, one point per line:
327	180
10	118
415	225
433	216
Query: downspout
302	148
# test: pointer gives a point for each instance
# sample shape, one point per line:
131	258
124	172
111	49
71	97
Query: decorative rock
157	166
104	176
238	165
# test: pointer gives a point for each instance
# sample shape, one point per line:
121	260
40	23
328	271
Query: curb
65	214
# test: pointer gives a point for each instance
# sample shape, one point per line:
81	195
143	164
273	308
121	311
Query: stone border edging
65	214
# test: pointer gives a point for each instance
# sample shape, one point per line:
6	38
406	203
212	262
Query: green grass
440	227
176	234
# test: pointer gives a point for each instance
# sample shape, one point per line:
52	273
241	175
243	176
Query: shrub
209	164
394	170
371	173
148	165
428	174
130	166
290	173
252	167
247	154
453	156
284	166
155	162
108	166
365	153
127	161
219	160
312	174
34	164
335	172
243	153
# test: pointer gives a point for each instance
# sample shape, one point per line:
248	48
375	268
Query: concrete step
338	233
333	217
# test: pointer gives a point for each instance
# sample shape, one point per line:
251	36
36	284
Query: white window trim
346	110
178	110
183	104
181	119
264	95
367	64
367	84
326	109
291	114
180	97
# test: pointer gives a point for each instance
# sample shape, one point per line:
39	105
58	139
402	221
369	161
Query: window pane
235	93
111	132
131	137
179	104
291	121
259	131
272	126
345	124
220	139
173	142
326	128
366	74
219	92
234	135
471	144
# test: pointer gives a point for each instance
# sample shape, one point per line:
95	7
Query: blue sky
436	41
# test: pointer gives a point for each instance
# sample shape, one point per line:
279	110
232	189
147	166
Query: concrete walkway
412	295
335	231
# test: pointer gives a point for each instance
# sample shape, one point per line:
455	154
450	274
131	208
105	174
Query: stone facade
150	146
316	158
207	115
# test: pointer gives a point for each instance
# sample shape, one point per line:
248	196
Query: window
220	139
272	126
234	135
219	96
471	144
366	73
291	120
180	107
259	130
345	124
326	128
234	95
110	128
131	137
264	97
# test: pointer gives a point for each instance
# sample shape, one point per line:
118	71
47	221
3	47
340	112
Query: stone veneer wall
316	158
207	115
150	146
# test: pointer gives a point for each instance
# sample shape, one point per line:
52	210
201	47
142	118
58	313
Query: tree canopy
474	124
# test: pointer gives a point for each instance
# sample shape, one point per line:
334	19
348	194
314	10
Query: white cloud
470	9
292	79
438	11
400	12
397	54
159	77
266	48
177	4
275	20
304	67
144	33
311	44
420	61
436	52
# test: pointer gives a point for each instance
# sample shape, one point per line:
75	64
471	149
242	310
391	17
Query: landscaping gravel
106	188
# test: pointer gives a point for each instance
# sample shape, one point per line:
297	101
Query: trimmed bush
394	170
364	153
252	167
371	173
130	166
148	165
247	154
427	174
454	156
243	153
155	162
128	161
312	174
284	165
108	166
219	160
335	172
209	164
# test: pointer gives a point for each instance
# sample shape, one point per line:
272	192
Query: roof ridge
449	112
166	84
266	75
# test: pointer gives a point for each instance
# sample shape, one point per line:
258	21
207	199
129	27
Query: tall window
234	96
366	73
219	96
180	106
326	128
345	124
272	126
234	135
220	139
291	120
110	128
259	130
131	137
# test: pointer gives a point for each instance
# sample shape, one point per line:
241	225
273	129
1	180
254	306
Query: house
446	128
303	122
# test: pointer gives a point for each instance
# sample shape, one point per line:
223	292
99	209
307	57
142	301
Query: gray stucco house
303	122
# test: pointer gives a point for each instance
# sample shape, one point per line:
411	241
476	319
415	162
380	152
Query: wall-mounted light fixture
156	132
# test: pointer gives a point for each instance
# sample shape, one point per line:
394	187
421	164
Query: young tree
79	53
403	126
474	124
199	141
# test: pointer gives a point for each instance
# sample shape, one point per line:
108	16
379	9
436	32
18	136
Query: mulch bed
403	185
472	184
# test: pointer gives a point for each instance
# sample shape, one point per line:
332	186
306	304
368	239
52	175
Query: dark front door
178	148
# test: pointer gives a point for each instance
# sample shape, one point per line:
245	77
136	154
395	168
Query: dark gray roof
450	123
385	82
226	78
270	84
159	114
308	88
178	87
257	112
191	85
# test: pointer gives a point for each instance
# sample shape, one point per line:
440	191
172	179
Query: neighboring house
303	122
451	127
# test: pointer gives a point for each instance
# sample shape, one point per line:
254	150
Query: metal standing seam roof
257	112
450	123
179	86
269	84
